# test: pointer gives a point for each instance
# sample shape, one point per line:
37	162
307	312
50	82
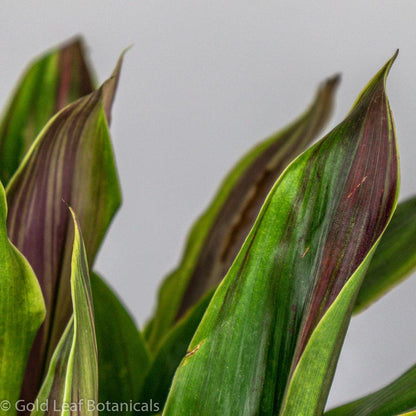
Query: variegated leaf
71	162
22	311
51	82
219	233
270	338
71	384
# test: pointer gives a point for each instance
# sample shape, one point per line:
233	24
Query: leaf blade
292	268
396	397
22	311
123	358
321	351
71	160
72	378
51	82
394	259
219	233
168	356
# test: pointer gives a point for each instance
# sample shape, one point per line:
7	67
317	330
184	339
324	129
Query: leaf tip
76	46
386	68
110	86
77	39
334	80
378	82
329	85
74	217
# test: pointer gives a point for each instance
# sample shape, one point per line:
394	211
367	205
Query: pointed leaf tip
74	218
74	40
51	82
386	69
274	328
335	80
110	86
378	81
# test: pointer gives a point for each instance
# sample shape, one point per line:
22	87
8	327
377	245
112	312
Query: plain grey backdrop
203	82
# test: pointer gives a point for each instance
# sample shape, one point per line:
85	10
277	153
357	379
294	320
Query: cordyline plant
252	321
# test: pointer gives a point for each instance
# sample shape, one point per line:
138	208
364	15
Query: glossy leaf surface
397	397
71	384
123	359
22	311
302	261
54	80
219	233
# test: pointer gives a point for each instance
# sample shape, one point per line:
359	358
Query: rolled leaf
397	397
168	356
302	261
51	82
71	384
394	259
71	160
123	359
219	233
22	311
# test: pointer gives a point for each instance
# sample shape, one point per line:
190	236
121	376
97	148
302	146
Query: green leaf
394	259
397	397
170	353
315	367
22	311
52	81
72	379
301	263
219	233
71	160
148	328
123	358
311	379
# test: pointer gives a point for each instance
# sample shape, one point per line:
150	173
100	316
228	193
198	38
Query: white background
204	81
